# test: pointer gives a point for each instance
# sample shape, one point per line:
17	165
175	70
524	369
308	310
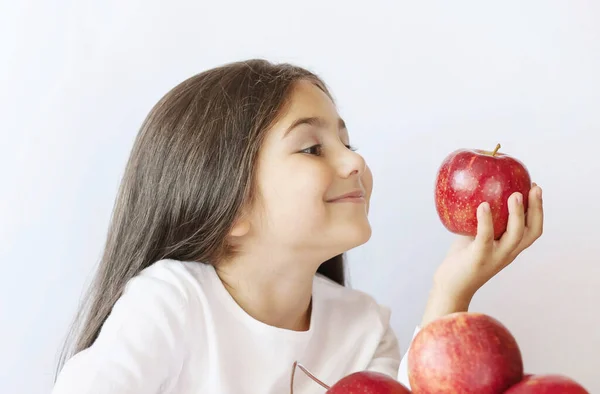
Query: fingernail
485	207
539	193
533	184
519	199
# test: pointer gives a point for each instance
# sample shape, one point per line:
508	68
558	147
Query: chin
353	236
328	240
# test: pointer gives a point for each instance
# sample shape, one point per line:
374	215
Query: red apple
464	352
468	177
362	382
368	382
547	384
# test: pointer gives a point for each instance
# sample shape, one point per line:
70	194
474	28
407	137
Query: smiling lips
357	196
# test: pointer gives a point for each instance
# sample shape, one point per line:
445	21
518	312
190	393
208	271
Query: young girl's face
305	166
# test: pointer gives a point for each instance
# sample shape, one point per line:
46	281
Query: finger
460	242
535	217
516	224
484	239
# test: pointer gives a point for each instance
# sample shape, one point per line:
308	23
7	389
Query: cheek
367	182
306	183
296	188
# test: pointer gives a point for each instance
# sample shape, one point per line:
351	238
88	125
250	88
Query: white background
414	81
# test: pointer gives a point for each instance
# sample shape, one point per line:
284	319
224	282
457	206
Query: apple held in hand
464	352
547	384
468	177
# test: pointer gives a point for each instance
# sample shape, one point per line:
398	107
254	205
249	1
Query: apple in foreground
547	384
464	352
368	382
468	177
361	382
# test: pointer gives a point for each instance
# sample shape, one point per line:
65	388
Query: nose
351	163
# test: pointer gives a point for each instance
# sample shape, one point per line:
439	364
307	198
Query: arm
139	347
441	303
438	305
471	262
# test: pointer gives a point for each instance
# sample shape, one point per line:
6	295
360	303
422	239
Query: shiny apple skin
547	384
468	177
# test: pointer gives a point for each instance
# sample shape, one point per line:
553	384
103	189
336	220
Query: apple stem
496	150
310	375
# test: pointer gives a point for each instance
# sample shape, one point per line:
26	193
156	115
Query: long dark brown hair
191	170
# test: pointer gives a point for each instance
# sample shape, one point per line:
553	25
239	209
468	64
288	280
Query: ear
240	229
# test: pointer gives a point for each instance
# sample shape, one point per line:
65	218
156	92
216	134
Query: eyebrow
315	121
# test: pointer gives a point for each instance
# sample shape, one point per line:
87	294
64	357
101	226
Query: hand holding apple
474	259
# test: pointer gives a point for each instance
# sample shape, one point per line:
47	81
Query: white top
176	329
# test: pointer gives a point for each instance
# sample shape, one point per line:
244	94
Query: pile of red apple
466	352
460	353
469	352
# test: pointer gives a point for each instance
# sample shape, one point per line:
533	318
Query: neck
272	290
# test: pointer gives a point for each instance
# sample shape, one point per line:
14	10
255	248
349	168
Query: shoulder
165	290
154	308
171	276
164	278
352	303
343	295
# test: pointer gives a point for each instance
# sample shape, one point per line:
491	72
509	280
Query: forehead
307	100
307	95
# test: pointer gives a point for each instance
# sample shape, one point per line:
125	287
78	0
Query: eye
313	150
318	149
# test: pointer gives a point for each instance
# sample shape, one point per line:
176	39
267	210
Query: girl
224	260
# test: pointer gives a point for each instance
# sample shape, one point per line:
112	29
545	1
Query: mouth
357	196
